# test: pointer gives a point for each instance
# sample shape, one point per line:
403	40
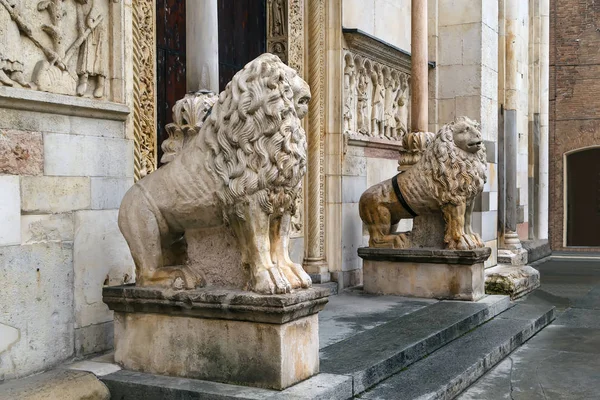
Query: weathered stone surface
78	155
451	369
108	192
56	384
376	354
52	194
515	281
94	338
10	210
217	303
37	300
512	257
249	353
8	336
429	280
46	228
101	257
536	249
21	153
464	257
95	367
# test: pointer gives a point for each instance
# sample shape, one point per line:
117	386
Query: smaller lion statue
242	164
448	176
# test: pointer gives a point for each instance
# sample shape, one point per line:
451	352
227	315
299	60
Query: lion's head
457	161
255	141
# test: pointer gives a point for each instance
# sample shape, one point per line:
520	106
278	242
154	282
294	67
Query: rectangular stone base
513	280
225	336
439	274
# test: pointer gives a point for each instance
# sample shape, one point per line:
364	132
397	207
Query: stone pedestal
512	276
219	335
430	273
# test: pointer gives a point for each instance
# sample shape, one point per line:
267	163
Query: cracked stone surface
563	360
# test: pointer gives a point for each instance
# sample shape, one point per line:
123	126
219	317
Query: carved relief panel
376	99
58	46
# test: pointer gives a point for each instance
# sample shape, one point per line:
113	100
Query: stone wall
66	159
574	101
388	20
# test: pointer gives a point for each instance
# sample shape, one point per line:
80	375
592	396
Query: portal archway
583	198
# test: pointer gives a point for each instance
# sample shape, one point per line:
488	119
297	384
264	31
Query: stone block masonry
62	177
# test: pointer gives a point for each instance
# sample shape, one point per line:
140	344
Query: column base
512	257
429	273
318	270
228	336
513	280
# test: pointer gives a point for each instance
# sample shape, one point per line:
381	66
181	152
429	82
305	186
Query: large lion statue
449	175
244	168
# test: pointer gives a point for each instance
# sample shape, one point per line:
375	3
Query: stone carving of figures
389	124
277	18
362	95
279	50
91	61
402	108
349	82
11	64
378	104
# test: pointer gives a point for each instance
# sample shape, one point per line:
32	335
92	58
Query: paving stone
353	312
591	300
447	372
579	318
55	384
563	338
375	354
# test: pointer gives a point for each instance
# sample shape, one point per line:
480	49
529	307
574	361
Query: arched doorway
583	198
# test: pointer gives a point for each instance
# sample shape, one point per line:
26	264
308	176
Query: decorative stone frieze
376	98
59	46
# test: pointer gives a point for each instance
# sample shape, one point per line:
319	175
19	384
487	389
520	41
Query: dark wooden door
583	198
242	35
170	62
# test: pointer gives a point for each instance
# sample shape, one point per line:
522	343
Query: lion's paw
296	275
270	281
465	242
178	278
476	239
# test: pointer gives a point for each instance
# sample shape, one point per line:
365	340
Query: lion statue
243	168
449	175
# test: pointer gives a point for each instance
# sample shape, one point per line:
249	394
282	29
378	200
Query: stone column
202	45
511	239
541	231
315	262
419	94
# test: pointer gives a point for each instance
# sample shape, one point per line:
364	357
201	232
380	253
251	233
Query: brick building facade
574	123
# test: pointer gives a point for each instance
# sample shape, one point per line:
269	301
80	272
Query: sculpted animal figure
244	168
449	175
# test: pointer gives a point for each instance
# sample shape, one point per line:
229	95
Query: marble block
430	273
231	336
513	280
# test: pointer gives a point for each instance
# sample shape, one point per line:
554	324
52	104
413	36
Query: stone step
450	370
376	354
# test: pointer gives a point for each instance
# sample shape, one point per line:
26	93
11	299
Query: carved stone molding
315	177
375	49
376	99
61	46
296	35
144	91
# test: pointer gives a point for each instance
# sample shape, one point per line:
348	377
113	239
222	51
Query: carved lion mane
257	145
456	175
244	166
449	175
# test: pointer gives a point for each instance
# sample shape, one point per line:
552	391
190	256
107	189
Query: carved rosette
144	92
376	99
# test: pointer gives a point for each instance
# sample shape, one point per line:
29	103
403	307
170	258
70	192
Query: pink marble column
419	95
